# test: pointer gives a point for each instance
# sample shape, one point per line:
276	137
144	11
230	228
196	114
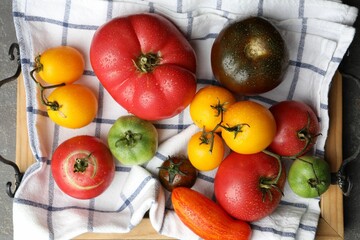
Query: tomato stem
305	135
173	169
236	128
55	106
220	109
146	62
38	65
314	183
81	164
204	139
129	139
266	184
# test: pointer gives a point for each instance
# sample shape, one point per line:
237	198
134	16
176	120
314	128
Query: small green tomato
133	141
309	176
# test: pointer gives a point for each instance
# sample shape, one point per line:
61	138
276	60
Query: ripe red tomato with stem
146	64
297	128
83	167
249	186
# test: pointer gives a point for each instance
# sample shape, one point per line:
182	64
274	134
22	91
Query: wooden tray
331	223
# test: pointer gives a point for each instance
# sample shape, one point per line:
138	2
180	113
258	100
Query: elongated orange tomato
205	218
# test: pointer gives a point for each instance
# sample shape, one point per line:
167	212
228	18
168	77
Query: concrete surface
350	67
7	116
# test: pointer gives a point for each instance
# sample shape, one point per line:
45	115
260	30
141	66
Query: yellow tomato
203	155
72	106
63	64
206	107
249	127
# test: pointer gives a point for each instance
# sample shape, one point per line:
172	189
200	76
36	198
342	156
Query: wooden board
331	223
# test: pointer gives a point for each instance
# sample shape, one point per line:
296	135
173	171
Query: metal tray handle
14	54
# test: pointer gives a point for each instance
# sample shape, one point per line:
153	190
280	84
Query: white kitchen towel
318	34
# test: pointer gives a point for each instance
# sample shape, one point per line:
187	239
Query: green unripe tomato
133	141
309	176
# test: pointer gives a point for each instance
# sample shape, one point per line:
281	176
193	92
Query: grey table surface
350	68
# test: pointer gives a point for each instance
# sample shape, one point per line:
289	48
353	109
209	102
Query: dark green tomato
177	172
309	176
249	57
132	140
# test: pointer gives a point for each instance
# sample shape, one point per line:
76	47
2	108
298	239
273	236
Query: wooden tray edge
331	223
332	218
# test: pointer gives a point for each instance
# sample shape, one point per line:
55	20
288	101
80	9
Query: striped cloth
318	34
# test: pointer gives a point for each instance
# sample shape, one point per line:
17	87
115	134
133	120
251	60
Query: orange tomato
73	106
249	127
206	106
63	64
200	154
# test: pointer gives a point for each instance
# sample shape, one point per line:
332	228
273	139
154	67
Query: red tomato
246	187
82	167
146	64
297	128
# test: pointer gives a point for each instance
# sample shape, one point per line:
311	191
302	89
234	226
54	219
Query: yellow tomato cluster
244	126
68	105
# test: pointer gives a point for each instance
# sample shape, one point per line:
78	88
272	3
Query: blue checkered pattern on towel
317	33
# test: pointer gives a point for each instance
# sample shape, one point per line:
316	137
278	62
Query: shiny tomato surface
146	64
83	167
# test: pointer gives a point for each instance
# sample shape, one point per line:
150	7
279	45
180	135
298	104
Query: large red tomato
83	167
249	186
146	64
297	128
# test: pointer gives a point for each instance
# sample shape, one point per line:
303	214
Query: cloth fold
318	34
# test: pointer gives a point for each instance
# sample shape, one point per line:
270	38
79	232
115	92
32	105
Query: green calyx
173	169
305	136
81	164
128	139
146	62
267	184
208	137
238	128
316	182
